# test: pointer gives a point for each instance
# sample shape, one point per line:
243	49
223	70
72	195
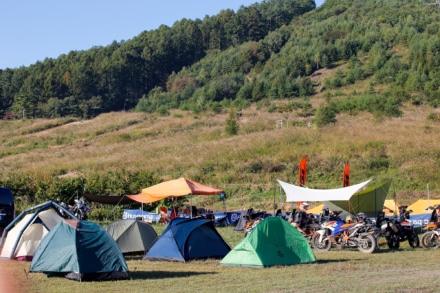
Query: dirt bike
399	230
431	237
340	234
313	225
253	218
80	209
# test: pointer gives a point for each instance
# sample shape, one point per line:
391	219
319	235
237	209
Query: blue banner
146	216
420	220
232	218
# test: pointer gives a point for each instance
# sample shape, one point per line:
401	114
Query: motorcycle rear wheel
324	245
366	243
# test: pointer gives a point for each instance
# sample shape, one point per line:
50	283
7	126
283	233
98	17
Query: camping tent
390	206
132	235
353	199
316	210
80	250
22	240
173	188
22	236
187	239
421	211
273	242
423	206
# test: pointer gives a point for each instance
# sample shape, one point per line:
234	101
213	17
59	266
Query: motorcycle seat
348	225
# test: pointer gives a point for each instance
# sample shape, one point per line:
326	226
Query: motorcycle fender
322	234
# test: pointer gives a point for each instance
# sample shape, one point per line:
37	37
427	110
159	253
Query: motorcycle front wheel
393	242
323	245
430	239
366	243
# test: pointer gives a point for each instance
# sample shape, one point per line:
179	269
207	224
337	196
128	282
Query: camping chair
174	212
164	218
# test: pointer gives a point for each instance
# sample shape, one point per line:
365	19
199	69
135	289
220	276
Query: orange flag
346	178
302	175
303	171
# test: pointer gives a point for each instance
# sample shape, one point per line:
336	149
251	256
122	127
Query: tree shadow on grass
165	274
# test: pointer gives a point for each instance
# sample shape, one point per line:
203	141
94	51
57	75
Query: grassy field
405	270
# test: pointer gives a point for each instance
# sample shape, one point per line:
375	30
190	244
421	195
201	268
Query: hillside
245	165
362	74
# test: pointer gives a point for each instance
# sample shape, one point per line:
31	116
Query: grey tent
132	235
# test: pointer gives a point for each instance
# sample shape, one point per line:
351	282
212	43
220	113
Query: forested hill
115	77
270	50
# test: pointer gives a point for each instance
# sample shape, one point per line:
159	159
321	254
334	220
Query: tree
232	123
325	115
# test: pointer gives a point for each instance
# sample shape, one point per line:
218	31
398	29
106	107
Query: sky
32	30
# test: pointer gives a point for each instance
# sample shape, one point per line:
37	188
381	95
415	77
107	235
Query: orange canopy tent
173	188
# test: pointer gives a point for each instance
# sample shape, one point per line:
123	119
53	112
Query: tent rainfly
273	242
132	235
188	239
82	251
22	236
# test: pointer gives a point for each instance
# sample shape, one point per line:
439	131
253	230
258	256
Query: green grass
348	270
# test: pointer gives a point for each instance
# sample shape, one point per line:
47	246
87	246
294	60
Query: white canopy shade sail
298	193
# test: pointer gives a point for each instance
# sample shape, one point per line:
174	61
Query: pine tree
232	123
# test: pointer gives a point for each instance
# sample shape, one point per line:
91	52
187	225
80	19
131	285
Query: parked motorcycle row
330	231
343	234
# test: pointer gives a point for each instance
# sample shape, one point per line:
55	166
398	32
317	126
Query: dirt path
12	276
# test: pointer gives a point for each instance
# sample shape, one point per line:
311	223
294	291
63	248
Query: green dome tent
82	251
273	242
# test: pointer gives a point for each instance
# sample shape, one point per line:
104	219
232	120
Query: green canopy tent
351	199
273	242
370	200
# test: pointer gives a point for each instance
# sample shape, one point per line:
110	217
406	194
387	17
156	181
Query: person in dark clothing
302	217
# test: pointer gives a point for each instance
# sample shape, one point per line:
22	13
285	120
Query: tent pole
274	193
427	186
